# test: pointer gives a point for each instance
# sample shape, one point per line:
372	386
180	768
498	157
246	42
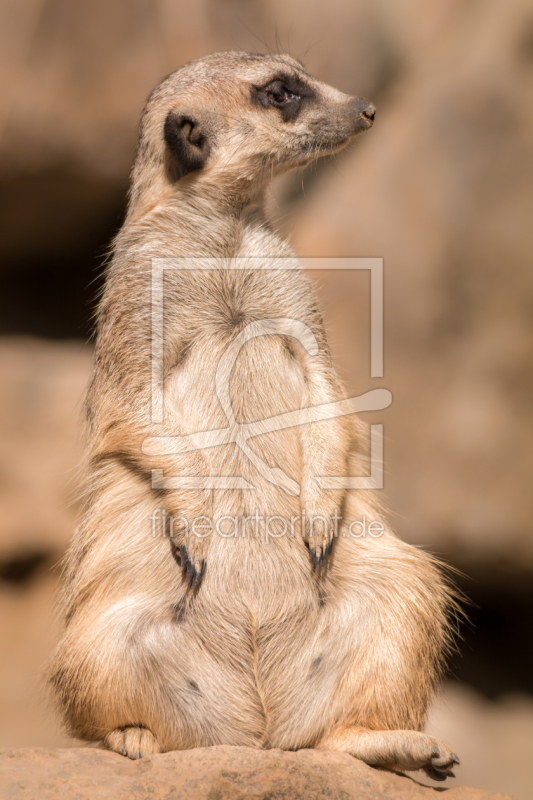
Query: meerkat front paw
322	515
132	741
192	563
319	534
319	552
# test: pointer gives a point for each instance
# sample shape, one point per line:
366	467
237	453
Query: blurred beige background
441	188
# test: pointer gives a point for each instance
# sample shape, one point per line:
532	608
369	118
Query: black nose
365	113
368	112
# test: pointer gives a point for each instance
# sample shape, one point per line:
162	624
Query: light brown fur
267	650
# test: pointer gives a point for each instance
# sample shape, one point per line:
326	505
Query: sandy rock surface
213	773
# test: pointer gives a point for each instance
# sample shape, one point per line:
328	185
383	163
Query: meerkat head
235	120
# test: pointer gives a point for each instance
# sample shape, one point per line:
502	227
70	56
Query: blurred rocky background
441	188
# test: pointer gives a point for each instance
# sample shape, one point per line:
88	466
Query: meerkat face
235	118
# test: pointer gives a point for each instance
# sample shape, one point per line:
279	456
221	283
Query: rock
210	773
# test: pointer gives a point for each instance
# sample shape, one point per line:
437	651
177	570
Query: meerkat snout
361	114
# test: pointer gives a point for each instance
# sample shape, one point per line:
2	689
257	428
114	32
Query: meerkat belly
239	411
258	594
254	529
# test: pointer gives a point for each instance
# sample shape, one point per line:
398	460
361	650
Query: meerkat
315	639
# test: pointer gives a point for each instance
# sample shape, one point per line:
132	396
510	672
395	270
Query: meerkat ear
187	143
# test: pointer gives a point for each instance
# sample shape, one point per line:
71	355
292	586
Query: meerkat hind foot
133	742
397	751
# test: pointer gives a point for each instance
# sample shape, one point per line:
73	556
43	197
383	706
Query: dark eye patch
278	93
284	92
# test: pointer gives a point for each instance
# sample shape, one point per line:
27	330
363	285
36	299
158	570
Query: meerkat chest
237	334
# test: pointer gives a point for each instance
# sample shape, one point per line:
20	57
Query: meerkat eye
278	93
288	94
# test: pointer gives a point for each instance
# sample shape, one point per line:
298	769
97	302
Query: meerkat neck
197	221
200	202
204	197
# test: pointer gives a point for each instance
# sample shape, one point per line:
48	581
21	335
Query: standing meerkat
223	628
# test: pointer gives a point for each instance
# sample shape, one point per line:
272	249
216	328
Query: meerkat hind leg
397	751
132	741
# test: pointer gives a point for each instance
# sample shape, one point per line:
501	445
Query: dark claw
438	776
189	571
193	576
316	559
198	576
319	557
